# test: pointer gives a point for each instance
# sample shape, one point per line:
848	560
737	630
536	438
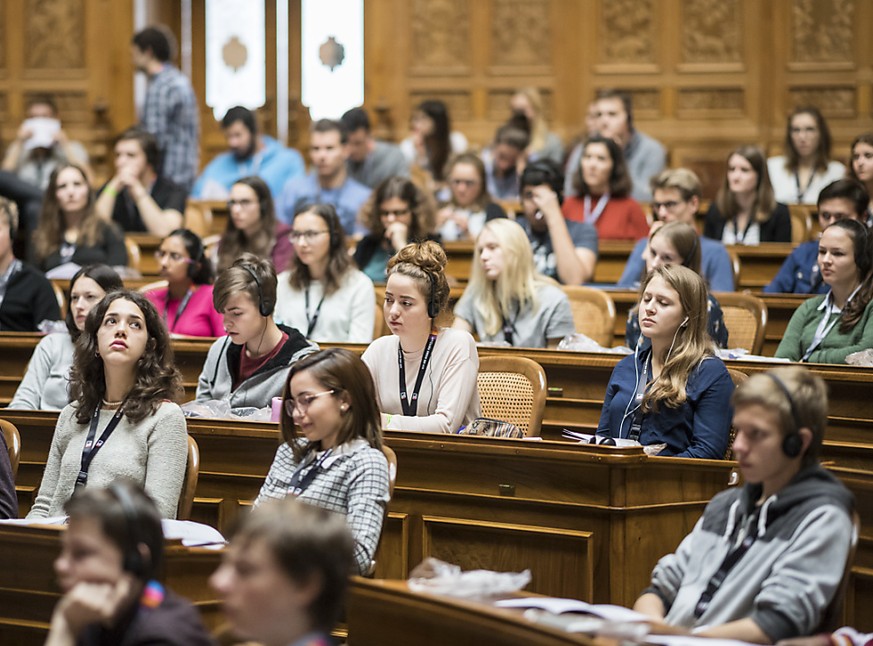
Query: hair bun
427	256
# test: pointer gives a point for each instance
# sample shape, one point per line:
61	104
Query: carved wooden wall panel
711	31
55	34
440	34
822	31
520	33
627	32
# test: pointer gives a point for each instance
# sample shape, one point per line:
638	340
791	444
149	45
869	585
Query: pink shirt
199	317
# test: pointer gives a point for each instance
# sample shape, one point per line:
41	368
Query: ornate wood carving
55	34
646	103
711	31
627	31
832	101
440	34
715	100
520	32
822	30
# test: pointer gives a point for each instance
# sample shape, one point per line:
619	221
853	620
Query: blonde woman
527	108
674	391
507	300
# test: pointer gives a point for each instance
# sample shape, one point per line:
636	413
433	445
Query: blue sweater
799	274
699	428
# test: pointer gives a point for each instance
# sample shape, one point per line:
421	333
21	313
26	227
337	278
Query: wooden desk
29	592
148	245
387	613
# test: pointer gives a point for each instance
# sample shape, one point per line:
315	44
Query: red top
622	218
248	367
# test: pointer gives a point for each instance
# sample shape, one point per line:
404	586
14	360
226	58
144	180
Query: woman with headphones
112	555
669	244
323	294
425	376
673	392
252	226
828	328
248	367
186	302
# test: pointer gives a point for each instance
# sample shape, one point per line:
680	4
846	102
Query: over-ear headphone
432	306
264	307
792	443
132	558
197	258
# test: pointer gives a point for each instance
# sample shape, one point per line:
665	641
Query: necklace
113	404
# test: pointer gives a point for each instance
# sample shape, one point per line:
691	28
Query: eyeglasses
245	203
175	257
307	236
464	182
397	213
303	402
669	205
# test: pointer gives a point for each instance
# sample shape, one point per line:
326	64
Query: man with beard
250	154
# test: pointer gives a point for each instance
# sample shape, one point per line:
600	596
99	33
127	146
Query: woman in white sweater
425	376
121	422
323	294
47	378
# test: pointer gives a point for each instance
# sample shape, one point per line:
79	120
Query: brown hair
862	243
484	197
809	397
682	179
343	372
765	201
620	183
823	154
156	377
338	262
49	233
240	277
865	138
424	262
420	205
235	242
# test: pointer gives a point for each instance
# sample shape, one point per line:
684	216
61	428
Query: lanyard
297	485
640	392
509	329
410	405
310	322
737	238
729	562
179	311
802	192
91	447
598	208
826	324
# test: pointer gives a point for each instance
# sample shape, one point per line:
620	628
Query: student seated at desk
507	300
827	329
111	557
425	377
766	559
283	579
673	243
845	199
47	377
122	421
323	294
335	459
673	391
186	302
248	367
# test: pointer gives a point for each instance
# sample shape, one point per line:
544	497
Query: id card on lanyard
410	404
91	447
297	485
826	324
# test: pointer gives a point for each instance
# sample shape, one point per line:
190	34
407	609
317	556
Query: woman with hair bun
186	302
323	294
45	385
425	376
674	390
122	421
828	328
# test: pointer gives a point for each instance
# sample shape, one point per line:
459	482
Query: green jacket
836	346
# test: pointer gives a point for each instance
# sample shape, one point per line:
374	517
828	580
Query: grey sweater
223	360
786	579
46	381
153	453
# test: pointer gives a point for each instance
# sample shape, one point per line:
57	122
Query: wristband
111	191
387	419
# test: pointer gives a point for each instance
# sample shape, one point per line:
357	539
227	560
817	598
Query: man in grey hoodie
766	560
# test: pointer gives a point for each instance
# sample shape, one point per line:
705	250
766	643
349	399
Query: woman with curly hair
323	294
252	226
121	421
397	213
69	229
425	376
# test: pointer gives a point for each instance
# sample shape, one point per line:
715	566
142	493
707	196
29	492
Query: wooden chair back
801	222
738	377
391	456
198	219
13	444
157	284
593	312
513	389
745	317
189	483
134	256
61	299
736	266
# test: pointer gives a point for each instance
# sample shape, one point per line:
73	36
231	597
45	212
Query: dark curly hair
157	378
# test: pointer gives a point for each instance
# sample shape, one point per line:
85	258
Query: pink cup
276	409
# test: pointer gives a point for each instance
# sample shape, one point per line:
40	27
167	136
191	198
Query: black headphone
197	258
133	559
264	307
432	306
792	444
